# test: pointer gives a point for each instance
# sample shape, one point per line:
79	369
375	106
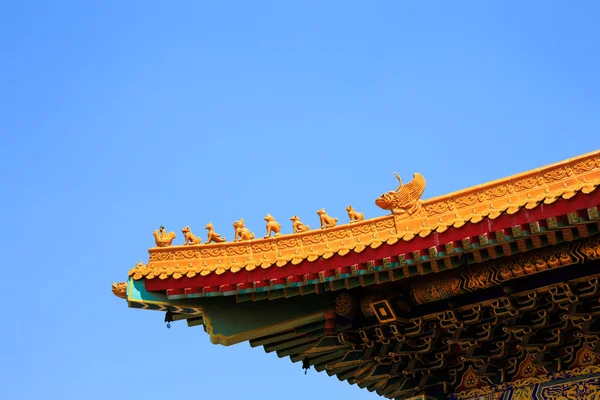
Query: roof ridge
529	189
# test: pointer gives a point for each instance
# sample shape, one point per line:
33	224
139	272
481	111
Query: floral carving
479	279
440	208
236	250
361	230
384	225
498	191
214	252
557	174
267	246
341	234
466	201
183	254
288	243
528	183
313	239
584	166
161	256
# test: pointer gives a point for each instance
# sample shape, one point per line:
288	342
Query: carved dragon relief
406	199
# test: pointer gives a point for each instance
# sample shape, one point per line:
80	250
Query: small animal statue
162	238
354	216
272	226
212	235
241	232
298	226
189	237
326	220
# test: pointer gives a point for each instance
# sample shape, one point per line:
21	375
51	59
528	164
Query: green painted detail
286	344
296	350
138	297
516	231
573	218
195	321
402	260
484	240
500	237
230	322
272	339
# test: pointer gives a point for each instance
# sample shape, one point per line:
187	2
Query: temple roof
462	293
412	221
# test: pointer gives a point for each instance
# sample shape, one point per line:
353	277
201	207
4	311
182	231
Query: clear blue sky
117	117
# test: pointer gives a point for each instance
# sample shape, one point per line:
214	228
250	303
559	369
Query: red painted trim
261	277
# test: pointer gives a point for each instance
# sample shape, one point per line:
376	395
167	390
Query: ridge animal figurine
354	216
189	237
406	199
326	220
212	235
241	232
162	238
298	226
272	226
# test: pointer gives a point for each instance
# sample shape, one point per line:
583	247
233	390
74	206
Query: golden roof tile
410	218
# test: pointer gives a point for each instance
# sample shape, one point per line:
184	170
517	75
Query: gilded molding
530	189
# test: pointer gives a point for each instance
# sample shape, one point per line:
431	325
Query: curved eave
434	253
467	214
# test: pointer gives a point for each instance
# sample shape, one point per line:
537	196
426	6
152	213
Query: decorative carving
313	239
471	379
162	238
440	207
557	174
344	304
161	256
365	305
384	225
185	254
479	279
330	323
582	389
298	226
241	232
499	191
263	247
495	273
341	234
591	249
213	252
466	201
528	183
406	199
119	289
326	220
353	215
437	289
472	205
189	237
212	235
584	166
272	226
